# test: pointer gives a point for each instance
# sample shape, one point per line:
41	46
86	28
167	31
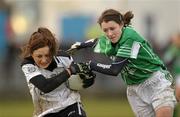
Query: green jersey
142	61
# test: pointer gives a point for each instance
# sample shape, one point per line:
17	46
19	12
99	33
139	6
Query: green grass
94	107
22	108
107	108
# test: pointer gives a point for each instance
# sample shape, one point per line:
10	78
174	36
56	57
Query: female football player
149	84
46	73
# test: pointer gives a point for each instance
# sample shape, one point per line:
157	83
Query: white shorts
150	95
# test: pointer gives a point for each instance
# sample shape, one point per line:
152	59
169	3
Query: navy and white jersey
57	99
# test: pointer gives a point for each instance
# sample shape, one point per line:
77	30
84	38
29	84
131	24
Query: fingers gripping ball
88	79
85	68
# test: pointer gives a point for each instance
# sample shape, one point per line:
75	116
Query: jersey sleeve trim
129	52
135	49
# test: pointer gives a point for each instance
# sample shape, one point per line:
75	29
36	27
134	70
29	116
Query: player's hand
79	68
76	45
80	45
88	79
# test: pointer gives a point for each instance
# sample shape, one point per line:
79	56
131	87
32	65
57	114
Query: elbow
115	72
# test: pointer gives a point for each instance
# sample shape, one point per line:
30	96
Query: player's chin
43	66
114	40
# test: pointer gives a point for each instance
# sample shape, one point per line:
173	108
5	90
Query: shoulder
102	39
129	31
28	60
29	68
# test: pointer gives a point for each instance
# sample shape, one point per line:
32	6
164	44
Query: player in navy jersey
46	71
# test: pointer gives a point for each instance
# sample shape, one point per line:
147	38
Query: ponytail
127	18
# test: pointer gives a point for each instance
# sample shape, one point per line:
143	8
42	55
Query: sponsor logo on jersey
103	66
31	69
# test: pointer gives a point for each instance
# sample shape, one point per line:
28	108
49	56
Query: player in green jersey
149	84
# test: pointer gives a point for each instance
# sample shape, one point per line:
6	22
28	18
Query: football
75	83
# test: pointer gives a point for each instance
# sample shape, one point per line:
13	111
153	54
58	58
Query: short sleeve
30	71
129	49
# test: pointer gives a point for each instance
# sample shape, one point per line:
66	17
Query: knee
177	91
165	111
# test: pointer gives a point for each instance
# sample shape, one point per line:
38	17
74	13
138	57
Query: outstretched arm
113	68
88	43
80	45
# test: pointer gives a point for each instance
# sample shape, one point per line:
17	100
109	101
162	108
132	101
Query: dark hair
41	38
113	15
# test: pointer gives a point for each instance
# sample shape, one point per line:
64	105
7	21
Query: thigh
165	111
178	93
163	99
177	88
163	94
139	107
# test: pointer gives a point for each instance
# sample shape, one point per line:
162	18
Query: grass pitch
95	107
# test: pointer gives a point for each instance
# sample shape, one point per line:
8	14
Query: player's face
112	30
42	57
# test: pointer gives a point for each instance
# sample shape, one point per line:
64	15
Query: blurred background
76	20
